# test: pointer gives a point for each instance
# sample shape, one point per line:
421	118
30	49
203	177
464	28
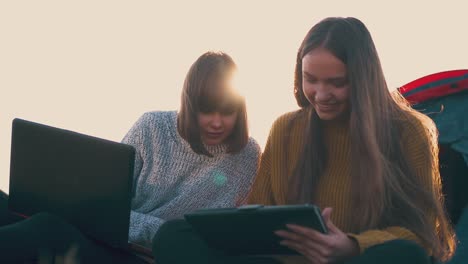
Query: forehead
321	63
218	97
216	88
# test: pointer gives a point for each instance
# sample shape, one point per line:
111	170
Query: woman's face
325	84
216	127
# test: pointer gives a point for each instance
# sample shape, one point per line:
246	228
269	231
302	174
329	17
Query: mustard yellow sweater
334	187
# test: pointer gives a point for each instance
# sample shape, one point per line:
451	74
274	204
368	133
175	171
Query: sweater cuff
368	239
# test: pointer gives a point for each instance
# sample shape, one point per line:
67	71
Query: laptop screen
84	179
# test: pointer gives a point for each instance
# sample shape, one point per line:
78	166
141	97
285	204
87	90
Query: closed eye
310	80
338	83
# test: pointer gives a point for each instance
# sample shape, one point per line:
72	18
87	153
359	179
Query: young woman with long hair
353	147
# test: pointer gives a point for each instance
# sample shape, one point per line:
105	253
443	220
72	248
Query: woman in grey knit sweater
198	157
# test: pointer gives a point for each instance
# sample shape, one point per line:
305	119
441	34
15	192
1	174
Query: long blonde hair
392	194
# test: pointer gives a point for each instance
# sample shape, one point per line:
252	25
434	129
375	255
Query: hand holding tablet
250	229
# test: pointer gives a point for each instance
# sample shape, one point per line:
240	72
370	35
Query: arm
270	186
261	191
248	168
337	245
415	145
134	137
371	238
143	227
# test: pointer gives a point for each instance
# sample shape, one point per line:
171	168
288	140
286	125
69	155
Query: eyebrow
338	78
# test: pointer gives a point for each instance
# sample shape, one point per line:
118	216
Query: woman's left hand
317	247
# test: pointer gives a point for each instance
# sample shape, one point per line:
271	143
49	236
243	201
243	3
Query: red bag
435	85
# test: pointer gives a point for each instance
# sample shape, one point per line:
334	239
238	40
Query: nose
322	93
216	120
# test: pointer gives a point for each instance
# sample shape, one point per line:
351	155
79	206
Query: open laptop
84	179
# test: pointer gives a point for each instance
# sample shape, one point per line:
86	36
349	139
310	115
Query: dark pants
176	243
48	238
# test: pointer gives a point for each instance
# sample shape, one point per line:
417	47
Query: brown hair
385	189
205	91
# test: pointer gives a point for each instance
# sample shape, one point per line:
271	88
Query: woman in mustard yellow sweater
354	149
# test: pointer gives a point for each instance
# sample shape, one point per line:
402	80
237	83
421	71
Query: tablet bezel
249	229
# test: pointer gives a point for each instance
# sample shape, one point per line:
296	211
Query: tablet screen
249	230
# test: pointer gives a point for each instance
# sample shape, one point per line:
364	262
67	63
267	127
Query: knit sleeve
371	238
416	142
135	138
248	170
143	227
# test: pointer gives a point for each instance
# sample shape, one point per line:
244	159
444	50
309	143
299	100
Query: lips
327	107
214	134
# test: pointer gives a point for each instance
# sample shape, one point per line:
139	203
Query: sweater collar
341	124
213	150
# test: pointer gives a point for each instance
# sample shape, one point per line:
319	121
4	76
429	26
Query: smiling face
325	84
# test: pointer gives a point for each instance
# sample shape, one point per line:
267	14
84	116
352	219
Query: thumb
326	213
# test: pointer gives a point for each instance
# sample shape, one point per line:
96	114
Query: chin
327	116
213	143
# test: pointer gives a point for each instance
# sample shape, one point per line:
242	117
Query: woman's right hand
320	248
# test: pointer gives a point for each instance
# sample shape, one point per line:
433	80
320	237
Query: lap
176	242
47	236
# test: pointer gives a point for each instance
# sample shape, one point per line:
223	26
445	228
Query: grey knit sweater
171	180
